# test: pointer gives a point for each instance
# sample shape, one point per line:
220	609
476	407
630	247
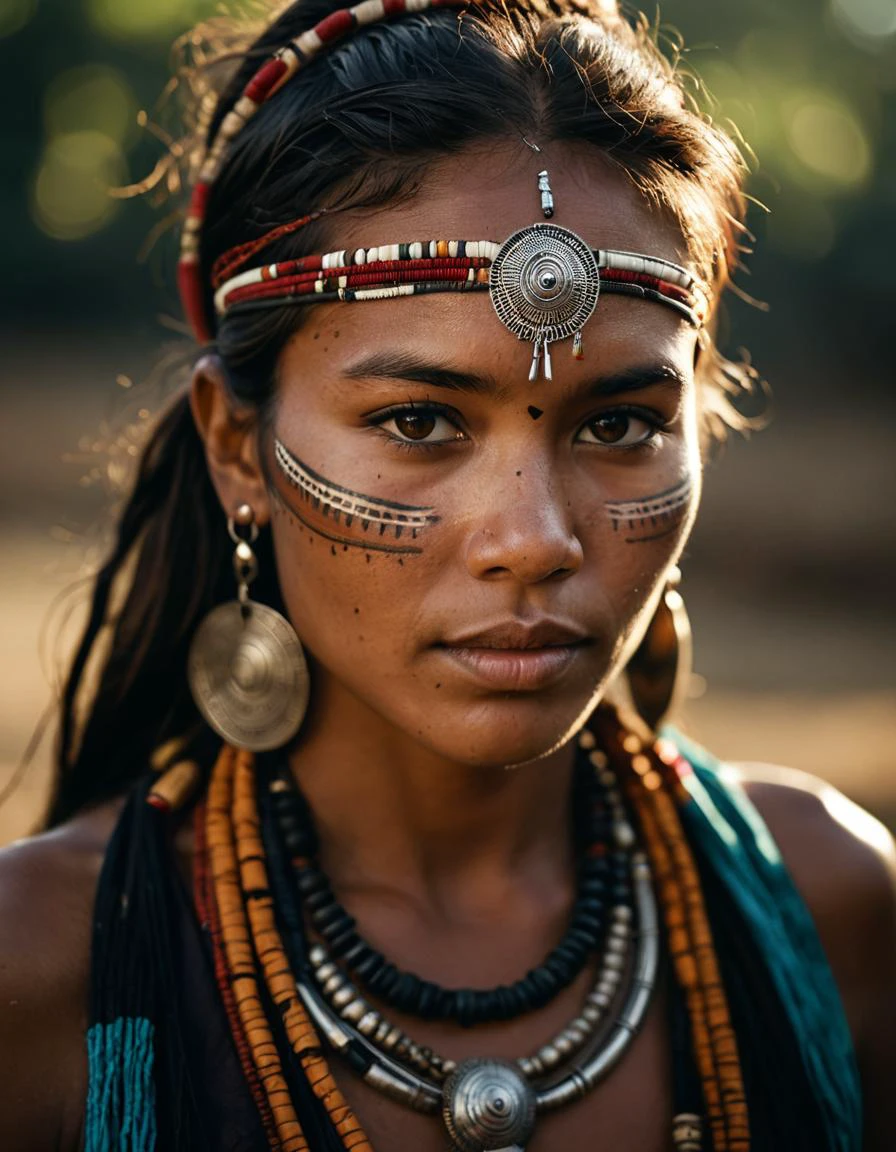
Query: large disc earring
659	672
246	667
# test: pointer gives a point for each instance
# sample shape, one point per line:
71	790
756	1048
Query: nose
524	530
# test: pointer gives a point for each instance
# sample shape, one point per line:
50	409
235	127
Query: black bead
544	982
337	927
585	922
407	993
389	978
310	880
353	957
427	999
444	1008
370	965
464	1009
343	942
319	899
568	952
328	915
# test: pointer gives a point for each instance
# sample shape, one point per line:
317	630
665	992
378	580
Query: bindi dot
535	413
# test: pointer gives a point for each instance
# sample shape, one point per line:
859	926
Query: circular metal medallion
486	1105
544	283
248	676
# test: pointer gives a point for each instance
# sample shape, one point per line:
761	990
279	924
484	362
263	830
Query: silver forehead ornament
544	284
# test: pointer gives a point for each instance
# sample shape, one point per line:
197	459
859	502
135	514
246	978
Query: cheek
346	598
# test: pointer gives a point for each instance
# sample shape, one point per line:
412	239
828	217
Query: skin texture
454	866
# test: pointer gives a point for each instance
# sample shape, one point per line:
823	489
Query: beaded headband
544	281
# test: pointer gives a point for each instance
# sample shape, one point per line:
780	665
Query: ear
229	431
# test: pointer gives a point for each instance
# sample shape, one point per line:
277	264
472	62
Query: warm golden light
91	98
70	197
828	139
146	19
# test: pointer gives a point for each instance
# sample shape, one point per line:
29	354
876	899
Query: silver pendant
248	675
487	1106
544	284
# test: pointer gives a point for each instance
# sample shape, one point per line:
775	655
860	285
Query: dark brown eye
610	429
414	425
619	430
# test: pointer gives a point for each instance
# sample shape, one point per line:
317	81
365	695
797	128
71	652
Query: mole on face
346	517
535	413
651	517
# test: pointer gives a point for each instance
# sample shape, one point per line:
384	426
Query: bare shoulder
47	886
843	861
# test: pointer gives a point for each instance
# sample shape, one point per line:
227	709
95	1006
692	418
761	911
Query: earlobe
229	431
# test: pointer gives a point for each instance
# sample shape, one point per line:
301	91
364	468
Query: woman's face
481	552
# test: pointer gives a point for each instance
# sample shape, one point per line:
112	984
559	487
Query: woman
454	271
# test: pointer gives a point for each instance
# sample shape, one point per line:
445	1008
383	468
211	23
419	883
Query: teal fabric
736	841
121	1113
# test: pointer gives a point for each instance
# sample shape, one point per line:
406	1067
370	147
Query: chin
508	732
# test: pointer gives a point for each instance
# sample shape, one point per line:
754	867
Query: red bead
335	25
264	80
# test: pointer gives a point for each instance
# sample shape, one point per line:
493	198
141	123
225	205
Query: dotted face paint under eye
651	517
348	517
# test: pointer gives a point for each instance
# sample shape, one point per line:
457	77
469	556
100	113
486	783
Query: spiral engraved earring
246	668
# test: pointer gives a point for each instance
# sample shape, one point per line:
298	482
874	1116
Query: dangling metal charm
544	284
547	196
246	667
487	1106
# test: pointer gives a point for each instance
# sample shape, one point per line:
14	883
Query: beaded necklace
598	871
256	956
150	1088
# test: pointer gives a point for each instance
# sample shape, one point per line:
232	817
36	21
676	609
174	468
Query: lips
517	656
520	635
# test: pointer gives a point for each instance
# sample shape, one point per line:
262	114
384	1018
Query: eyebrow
412	369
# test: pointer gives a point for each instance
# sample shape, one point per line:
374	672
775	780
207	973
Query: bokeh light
869	19
147	19
91	97
70	196
15	14
829	140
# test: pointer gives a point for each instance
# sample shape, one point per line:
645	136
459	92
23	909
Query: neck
392	814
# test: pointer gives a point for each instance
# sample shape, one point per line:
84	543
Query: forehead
491	191
488	194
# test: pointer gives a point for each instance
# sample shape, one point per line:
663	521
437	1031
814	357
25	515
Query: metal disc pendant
248	675
488	1106
544	283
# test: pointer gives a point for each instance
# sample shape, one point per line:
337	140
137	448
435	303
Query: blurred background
789	578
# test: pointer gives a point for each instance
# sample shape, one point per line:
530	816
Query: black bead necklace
602	874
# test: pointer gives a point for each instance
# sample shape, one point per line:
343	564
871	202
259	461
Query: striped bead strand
278	975
207	911
239	956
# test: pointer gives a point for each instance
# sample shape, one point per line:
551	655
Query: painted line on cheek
651	517
362	521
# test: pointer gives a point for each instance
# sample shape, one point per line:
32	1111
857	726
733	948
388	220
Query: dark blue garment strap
739	846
